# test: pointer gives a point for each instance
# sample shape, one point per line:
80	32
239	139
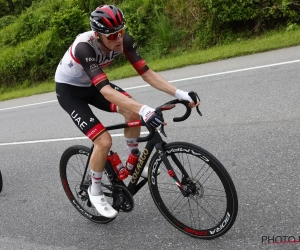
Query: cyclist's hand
182	95
150	117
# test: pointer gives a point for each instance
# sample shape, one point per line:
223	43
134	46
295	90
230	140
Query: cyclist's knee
103	142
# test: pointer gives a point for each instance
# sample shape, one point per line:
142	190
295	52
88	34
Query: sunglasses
115	35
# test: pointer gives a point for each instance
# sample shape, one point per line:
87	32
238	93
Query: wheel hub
193	187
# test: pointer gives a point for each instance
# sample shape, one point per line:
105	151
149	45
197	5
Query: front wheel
210	204
72	171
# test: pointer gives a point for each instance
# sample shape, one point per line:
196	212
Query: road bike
189	186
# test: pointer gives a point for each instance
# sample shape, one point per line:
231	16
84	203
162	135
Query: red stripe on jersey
138	66
74	58
99	78
95	131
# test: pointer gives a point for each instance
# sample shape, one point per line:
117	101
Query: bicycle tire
1	182
72	165
195	217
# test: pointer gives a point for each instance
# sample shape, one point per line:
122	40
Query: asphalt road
251	121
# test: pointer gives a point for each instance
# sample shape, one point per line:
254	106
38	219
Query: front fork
171	172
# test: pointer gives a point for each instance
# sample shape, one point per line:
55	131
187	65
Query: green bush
6	20
7	34
33	42
25	61
36	58
66	26
252	14
30	23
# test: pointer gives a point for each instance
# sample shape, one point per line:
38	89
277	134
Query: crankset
122	199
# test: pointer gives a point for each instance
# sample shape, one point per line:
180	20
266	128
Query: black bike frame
157	142
153	140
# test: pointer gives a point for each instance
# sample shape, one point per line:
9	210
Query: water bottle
117	164
132	160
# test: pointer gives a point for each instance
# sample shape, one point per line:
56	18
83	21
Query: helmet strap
99	40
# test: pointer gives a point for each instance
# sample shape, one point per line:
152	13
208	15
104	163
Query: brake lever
162	130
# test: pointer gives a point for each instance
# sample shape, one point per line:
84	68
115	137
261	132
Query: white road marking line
237	70
27	105
58	139
141	86
180	80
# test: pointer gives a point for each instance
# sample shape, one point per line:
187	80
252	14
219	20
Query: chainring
122	199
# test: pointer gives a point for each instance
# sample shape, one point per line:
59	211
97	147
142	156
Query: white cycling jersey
70	69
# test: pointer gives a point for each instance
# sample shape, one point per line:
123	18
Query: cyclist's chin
118	48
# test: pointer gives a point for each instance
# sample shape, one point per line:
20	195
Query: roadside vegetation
34	35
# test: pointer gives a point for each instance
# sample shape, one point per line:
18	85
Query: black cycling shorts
75	101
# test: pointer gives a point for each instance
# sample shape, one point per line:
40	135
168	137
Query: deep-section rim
68	153
226	222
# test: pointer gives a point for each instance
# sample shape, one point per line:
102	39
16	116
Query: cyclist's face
114	45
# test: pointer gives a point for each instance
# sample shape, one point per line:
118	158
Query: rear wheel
210	206
72	170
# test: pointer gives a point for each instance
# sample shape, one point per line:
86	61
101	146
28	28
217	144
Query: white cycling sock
131	144
96	187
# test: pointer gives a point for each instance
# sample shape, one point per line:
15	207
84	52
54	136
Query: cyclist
80	81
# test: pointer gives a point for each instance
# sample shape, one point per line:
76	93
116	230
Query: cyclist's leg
128	115
74	100
130	133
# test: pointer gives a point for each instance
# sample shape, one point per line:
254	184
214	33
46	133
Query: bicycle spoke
72	169
207	211
205	201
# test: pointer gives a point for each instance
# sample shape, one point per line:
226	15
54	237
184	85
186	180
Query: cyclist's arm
133	56
120	100
158	82
149	76
86	54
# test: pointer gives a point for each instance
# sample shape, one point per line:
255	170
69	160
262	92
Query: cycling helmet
107	19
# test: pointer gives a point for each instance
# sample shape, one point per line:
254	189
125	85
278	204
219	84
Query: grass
269	41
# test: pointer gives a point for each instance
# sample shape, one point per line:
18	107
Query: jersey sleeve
133	56
87	57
